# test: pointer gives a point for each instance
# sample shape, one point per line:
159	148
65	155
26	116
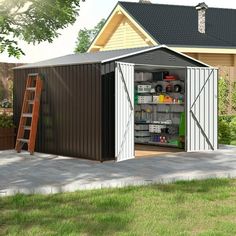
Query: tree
33	21
86	36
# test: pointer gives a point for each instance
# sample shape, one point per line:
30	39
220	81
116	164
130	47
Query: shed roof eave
152	49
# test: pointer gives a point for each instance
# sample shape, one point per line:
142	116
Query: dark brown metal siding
70	112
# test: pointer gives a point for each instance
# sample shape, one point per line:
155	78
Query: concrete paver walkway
46	174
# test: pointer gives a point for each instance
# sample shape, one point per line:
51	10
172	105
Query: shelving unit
161	103
159	112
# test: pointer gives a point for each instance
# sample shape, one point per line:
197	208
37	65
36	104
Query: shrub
227	129
6	121
233	129
6	103
223	95
234	97
224	136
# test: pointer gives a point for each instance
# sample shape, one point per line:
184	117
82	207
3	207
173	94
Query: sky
91	12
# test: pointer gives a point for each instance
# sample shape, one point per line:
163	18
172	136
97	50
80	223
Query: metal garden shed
88	109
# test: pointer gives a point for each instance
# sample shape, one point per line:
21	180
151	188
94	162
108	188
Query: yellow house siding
126	35
193	55
217	59
214	59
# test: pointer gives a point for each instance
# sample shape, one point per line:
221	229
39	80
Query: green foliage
84	40
86	36
223	96
227	130
224	135
233	129
5	103
234	97
6	121
10	90
227	118
1	91
33	21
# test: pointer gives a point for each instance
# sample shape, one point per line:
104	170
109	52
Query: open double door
201	110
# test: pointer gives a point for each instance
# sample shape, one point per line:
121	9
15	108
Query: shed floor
153	151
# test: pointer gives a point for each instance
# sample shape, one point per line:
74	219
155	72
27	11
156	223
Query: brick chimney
144	1
201	9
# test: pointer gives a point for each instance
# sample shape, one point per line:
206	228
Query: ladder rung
27	115
27	127
31	102
33	74
23	140
31	89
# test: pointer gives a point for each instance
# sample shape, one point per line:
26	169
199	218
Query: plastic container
144	88
156	99
156	128
141	127
141	139
144	99
142	76
161	98
141	133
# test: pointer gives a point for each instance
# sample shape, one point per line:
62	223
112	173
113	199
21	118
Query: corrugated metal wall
124	111
202	109
70	112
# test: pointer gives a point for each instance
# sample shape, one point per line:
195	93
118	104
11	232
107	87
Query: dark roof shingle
178	25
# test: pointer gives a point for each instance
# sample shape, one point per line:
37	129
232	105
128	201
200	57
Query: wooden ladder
30	113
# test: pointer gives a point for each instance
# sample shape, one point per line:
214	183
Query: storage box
144	99
156	99
141	139
159	76
156	128
144	88
141	133
141	76
141	127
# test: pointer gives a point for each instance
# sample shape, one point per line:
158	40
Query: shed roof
99	57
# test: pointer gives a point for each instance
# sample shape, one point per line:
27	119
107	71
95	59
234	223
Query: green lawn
185	208
233	143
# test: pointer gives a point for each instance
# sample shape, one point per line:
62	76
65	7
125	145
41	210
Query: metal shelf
162	134
159	144
163	103
140	122
163	144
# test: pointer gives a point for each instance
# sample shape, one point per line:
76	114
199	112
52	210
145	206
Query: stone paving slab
49	174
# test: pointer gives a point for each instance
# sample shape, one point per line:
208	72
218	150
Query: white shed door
124	111
202	109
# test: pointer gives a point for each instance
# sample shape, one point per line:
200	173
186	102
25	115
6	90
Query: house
204	33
